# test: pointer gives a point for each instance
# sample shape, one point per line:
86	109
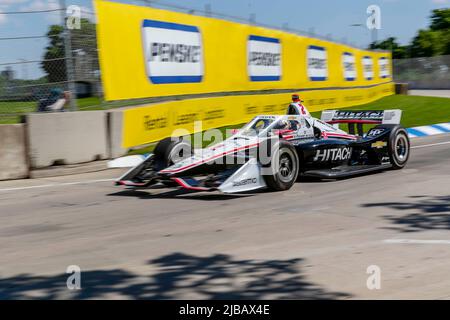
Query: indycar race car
274	151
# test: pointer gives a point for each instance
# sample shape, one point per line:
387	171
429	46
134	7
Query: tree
440	20
83	39
427	43
446	39
391	44
54	63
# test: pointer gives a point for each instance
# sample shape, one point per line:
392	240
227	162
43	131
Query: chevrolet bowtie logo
379	144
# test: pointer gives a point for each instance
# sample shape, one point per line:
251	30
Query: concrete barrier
13	156
401	88
115	137
66	137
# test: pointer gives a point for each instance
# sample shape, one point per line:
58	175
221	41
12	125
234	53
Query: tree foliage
440	20
54	63
391	44
429	42
83	39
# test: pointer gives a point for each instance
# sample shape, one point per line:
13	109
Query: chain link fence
25	82
423	73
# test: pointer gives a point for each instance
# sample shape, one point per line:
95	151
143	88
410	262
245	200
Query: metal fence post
69	58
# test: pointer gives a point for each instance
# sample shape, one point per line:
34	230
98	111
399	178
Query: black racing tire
171	150
398	145
284	177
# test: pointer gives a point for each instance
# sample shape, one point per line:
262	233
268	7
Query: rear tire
284	167
399	147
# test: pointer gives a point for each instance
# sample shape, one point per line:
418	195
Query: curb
56	171
431	130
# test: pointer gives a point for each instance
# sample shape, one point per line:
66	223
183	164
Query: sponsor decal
383	63
317	63
368	67
173	52
245	182
185	118
349	66
375	132
154	123
264	58
335	154
214	114
267	117
251	109
353	98
379	144
269	108
321	102
358	115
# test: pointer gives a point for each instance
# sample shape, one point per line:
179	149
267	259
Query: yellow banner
148	52
145	124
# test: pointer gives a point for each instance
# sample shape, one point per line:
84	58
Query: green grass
89	103
417	111
10	111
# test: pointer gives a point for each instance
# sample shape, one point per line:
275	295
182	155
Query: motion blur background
35	56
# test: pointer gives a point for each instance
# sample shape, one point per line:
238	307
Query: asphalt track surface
315	241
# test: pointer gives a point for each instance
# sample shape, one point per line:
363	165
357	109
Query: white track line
430	145
58	184
415	241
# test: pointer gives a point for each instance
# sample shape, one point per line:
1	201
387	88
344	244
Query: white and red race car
273	151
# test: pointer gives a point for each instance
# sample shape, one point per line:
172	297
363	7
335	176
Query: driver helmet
296	98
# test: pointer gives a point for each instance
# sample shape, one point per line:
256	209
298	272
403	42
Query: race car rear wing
359	118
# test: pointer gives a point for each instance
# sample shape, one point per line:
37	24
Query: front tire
172	150
283	166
